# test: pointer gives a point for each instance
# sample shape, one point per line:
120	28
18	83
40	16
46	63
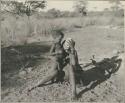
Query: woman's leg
72	81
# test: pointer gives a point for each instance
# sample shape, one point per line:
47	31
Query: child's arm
56	53
52	48
52	51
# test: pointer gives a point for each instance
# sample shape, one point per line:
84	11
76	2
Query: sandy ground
101	42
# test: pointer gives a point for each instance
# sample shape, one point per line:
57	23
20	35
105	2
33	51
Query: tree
81	7
117	8
116	5
34	6
20	8
13	7
54	12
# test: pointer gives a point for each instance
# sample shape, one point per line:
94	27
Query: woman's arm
76	56
72	57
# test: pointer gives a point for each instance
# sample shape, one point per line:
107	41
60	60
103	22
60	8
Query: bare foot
30	89
74	97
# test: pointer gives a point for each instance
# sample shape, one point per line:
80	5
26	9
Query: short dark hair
57	33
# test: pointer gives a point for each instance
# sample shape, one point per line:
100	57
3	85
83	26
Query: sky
67	5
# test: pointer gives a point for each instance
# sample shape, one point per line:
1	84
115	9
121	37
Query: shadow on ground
14	58
98	74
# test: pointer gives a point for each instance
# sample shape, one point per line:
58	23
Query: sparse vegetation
19	31
26	41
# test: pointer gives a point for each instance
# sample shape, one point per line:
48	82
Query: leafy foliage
116	5
54	12
81	7
20	8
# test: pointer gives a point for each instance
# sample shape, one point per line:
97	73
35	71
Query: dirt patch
89	41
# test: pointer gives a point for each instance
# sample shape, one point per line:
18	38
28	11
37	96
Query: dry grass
22	31
101	42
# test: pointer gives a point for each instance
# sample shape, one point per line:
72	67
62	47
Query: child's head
57	35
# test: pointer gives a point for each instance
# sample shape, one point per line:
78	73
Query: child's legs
50	75
72	80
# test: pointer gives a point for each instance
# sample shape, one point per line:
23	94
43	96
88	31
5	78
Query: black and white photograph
62	51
